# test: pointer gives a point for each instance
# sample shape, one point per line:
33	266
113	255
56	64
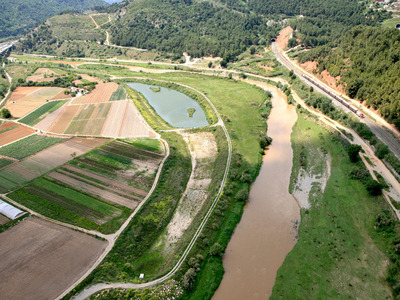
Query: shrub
374	188
216	250
242	195
352	151
5	113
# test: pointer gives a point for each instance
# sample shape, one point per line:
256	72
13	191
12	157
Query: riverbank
337	237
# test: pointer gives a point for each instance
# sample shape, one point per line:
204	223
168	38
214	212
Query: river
268	228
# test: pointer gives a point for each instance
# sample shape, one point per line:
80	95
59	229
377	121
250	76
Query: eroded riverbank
268	228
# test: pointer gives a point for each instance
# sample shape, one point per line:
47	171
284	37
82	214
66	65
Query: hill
18	16
367	59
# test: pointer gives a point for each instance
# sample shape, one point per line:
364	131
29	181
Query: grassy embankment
341	249
239	105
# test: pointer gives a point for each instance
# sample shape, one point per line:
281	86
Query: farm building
10	211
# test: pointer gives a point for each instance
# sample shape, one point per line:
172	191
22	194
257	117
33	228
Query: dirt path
95	23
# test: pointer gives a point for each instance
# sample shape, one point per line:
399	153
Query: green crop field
28	146
146	144
5	162
119	94
70	206
40	113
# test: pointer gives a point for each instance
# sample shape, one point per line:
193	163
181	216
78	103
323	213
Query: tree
252	50
374	188
352	151
5	113
210	64
216	250
223	63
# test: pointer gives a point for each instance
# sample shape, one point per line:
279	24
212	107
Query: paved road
9	88
383	134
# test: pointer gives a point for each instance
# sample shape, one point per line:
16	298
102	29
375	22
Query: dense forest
367	59
18	16
322	20
199	28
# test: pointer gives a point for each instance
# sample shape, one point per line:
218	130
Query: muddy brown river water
268	228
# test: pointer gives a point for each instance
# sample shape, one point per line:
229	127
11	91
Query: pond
174	107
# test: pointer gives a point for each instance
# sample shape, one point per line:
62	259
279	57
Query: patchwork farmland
95	191
18	172
26	99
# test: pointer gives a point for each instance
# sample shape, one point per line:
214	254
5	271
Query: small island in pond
155	90
191	112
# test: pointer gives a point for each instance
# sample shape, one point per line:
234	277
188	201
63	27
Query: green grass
119	94
40	113
146	144
391	23
5	162
101	19
339	253
28	146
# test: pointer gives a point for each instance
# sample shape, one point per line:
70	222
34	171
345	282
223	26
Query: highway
6	46
383	134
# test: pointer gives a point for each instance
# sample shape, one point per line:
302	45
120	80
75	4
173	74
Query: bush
381	150
352	151
216	250
374	188
242	195
5	113
188	279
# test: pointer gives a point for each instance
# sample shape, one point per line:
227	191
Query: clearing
43	259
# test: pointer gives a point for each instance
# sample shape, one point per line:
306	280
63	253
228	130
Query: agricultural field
10	132
119	94
26	99
41	75
28	146
89	120
95	191
102	93
39	114
36	165
43	259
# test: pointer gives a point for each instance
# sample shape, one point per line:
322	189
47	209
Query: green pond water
172	105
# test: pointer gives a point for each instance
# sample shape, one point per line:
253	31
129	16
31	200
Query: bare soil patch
203	150
43	259
50	119
101	93
283	37
14	134
31	99
134	124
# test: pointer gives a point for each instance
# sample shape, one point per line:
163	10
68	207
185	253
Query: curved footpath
101	286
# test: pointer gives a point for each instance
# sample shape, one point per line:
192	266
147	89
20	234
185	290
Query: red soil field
14	134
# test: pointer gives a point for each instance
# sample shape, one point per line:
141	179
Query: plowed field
13	134
43	259
26	99
101	93
62	121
